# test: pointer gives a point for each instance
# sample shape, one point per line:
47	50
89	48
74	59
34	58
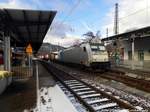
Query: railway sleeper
85	92
77	87
72	83
82	89
103	103
90	95
105	106
97	101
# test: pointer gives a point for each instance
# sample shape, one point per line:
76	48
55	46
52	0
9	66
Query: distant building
47	48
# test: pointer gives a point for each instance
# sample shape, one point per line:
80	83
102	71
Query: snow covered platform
50	97
60	102
45	77
53	99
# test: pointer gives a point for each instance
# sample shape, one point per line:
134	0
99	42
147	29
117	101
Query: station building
132	48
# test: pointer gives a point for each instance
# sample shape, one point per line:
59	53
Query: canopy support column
132	42
7	49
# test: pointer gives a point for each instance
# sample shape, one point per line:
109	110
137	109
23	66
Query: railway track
94	99
120	76
130	81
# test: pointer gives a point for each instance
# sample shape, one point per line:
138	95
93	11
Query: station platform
60	101
51	98
45	78
21	95
18	96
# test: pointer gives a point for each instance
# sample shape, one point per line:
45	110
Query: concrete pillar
9	53
5	53
7	59
133	66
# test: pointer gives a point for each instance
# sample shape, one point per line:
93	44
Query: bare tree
89	36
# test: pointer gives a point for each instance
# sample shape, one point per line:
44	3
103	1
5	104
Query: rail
91	97
121	77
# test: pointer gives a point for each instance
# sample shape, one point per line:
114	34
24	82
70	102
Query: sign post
29	52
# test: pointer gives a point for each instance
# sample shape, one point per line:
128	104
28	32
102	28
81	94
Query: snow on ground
131	98
53	99
75	102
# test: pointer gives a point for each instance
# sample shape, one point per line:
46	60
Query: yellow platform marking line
4	74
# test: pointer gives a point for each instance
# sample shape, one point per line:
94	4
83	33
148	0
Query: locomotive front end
99	58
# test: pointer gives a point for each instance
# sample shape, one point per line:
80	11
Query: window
84	49
98	48
122	53
102	48
140	55
129	55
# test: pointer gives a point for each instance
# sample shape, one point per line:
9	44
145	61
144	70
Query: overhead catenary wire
134	13
121	19
72	9
69	13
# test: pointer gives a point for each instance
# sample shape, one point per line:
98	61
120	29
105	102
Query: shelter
20	27
25	26
138	33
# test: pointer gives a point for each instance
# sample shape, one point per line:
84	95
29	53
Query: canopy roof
142	32
26	26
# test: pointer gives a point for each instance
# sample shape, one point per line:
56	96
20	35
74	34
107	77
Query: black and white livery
88	54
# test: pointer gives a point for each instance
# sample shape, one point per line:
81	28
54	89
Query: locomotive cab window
98	48
84	49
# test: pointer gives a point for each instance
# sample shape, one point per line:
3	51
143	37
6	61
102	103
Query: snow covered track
92	98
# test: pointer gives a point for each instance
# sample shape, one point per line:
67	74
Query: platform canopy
26	26
142	32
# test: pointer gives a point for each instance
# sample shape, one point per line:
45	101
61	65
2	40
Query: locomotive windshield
97	47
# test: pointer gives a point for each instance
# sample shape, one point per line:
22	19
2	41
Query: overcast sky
76	17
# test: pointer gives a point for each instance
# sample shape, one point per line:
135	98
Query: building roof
26	26
137	33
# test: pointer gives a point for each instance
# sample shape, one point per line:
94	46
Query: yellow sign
29	49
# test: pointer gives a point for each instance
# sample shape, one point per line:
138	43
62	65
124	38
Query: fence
20	72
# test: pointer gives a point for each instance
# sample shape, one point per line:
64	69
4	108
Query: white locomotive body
88	54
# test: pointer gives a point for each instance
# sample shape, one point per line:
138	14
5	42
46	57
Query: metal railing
20	72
